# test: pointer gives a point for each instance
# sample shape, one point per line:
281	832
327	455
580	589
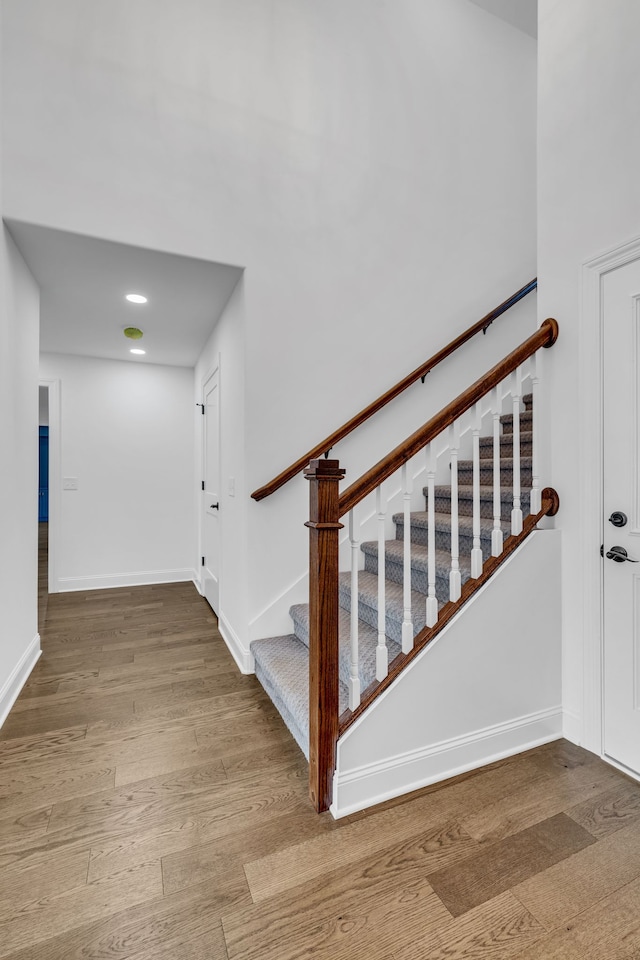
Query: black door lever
619	554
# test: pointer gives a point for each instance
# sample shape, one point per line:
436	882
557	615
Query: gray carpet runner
282	663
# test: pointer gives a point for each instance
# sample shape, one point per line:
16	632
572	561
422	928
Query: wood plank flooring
152	805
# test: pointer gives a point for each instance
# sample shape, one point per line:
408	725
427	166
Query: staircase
282	663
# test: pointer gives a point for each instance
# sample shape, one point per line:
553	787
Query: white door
211	490
621	344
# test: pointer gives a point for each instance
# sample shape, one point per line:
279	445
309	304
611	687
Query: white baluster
497	539
432	601
476	552
455	581
516	513
536	493
382	654
407	619
354	678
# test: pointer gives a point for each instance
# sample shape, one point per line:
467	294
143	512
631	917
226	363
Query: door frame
55	485
201	510
591	490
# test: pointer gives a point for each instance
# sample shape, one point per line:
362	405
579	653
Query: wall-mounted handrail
545	336
411	378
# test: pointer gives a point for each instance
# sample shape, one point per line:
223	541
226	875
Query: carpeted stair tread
420	520
465	500
394	552
506	446
368	603
282	667
486	493
367	643
506	463
526	421
465	474
394	564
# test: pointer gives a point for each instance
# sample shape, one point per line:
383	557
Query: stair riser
419	536
465	507
393	627
506	447
526	423
419	579
301	630
465	476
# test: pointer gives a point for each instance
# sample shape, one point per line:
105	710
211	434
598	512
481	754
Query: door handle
619	554
214	506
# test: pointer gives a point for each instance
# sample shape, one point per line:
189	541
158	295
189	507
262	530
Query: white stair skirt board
487	687
18	677
139	579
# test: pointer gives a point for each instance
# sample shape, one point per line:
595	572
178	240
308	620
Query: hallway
152	805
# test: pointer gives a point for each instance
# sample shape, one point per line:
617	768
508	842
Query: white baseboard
18	677
368	785
140	579
242	656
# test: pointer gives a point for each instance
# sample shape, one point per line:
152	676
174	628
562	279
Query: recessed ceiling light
135	350
136	298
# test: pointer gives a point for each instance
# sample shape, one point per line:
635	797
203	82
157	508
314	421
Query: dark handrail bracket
419	374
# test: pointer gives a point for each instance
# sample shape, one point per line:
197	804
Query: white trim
55	470
242	656
140	578
18	677
588	730
374	783
201	509
632	774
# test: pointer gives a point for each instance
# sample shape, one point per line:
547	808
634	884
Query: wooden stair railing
327	508
419	373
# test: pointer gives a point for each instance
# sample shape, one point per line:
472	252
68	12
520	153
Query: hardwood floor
152	805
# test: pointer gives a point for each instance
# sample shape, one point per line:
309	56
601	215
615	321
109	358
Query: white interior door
211	490
621	344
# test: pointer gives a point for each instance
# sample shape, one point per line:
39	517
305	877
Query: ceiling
522	14
83	283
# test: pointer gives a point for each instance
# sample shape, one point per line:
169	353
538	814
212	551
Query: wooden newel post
324	526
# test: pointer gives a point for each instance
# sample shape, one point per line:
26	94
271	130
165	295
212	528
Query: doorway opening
610	362
48	491
43	506
210	514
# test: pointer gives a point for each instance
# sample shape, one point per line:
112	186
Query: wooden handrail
545	336
326	510
400	387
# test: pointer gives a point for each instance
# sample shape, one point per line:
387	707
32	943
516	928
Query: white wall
126	433
19	640
371	165
226	349
589	203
